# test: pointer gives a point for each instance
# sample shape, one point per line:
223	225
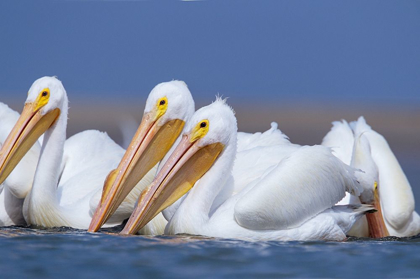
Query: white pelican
341	140
291	201
250	145
78	166
168	106
18	184
180	109
391	192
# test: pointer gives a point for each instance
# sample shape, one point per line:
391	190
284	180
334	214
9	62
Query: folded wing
302	185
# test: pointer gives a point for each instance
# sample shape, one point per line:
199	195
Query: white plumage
18	184
341	141
69	173
167	108
271	137
396	197
292	200
310	175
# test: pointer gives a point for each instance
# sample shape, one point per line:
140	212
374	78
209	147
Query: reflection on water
69	253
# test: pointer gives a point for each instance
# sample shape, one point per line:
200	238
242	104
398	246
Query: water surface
73	253
69	253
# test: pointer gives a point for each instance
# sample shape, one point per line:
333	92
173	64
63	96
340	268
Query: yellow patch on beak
200	130
162	107
42	99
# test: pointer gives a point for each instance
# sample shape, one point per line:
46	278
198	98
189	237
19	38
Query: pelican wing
88	158
303	184
251	164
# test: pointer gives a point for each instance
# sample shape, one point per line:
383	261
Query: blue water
68	253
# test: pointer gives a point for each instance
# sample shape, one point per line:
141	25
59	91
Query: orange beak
376	223
187	164
148	146
29	127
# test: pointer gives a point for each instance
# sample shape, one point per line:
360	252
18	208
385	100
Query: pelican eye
42	99
200	130
162	106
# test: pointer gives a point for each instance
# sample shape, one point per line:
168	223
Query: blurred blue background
265	51
300	63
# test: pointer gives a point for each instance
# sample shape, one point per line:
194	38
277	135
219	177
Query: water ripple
65	253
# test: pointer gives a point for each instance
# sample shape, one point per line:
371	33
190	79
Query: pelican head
41	111
168	107
204	138
368	176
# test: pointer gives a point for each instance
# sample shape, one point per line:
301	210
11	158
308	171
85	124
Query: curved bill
187	164
29	127
376	222
148	146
